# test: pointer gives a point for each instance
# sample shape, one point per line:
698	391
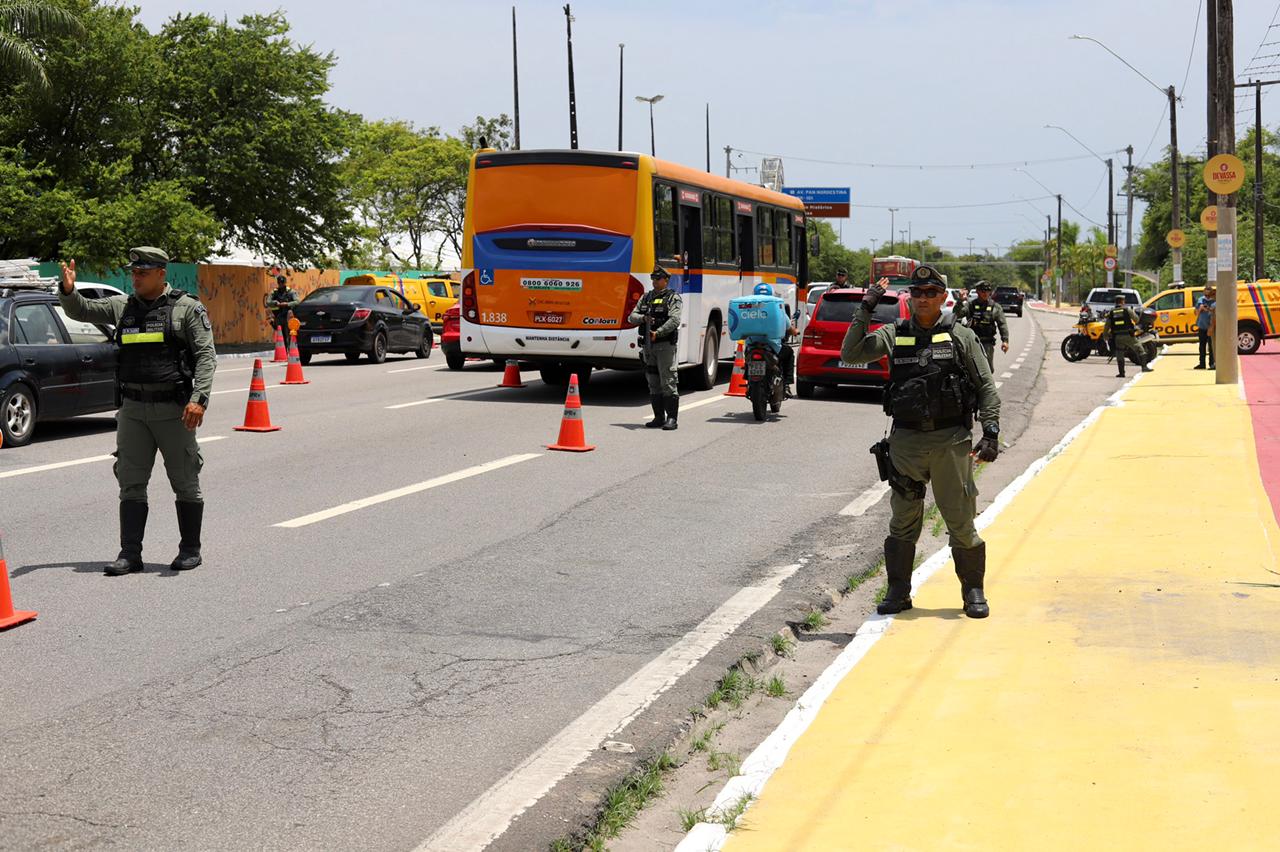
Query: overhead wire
946	206
927	166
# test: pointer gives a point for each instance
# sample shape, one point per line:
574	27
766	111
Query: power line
924	166
1195	34
1159	122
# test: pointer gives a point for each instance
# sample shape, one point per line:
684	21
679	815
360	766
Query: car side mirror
815	245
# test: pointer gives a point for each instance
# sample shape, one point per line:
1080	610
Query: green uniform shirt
860	347
997	314
1133	323
289	296
190	323
673	311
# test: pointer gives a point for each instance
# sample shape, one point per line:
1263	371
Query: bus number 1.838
491	316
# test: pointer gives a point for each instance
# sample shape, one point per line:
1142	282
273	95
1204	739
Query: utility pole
1211	136
1057	279
1187	190
515	75
573	102
727	163
1111	216
1257	181
1128	220
708	140
892	244
621	48
1226	315
1048	267
1173	177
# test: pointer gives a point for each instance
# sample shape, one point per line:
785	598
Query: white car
816	289
93	290
1101	300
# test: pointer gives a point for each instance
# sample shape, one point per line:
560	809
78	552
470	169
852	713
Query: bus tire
555	375
704	378
1248	338
455	360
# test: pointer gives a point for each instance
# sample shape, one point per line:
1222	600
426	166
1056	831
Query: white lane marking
999	385
242	390
866	499
686	406
416	369
418	402
1006	375
395	494
1017	366
772	753
444	397
40	468
489	816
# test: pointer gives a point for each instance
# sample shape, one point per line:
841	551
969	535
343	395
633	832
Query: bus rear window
554	194
839	307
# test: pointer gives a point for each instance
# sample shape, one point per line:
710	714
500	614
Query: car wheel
351	357
304	358
1248	339
805	390
17	415
555	375
455	360
378	352
705	376
428	343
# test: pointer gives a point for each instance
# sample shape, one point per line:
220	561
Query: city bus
896	268
558	246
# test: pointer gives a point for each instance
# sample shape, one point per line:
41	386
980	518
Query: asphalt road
358	676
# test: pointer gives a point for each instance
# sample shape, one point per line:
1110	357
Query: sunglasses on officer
926	291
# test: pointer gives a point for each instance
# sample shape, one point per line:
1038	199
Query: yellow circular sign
1224	174
1110	251
1209	218
1176	238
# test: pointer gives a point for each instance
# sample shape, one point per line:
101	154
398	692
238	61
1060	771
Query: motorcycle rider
1121	326
786	355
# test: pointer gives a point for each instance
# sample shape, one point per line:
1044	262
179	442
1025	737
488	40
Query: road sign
1109	264
1176	238
823	202
1209	218
1110	251
1224	174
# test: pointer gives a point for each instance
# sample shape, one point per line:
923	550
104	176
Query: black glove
872	297
988	447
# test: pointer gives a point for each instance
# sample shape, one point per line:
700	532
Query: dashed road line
867	499
241	390
684	406
416	369
41	468
1016	366
1006	375
999	385
444	397
397	493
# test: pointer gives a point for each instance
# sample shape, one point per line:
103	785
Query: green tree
23	20
833	255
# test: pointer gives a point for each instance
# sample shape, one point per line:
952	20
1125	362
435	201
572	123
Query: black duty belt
138	395
933	425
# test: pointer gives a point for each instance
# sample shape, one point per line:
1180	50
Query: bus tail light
635	289
469	308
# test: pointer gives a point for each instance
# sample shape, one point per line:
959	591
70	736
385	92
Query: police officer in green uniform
280	301
985	317
938	377
1121	325
960	313
658	315
164	373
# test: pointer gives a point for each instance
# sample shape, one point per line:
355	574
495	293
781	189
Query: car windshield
338	295
1109	297
839	307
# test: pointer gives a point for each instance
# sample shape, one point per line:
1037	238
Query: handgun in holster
880	449
902	484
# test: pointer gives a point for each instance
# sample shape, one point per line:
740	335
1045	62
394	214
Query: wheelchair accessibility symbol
486	277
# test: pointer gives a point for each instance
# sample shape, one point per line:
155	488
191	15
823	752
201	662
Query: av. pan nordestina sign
823	202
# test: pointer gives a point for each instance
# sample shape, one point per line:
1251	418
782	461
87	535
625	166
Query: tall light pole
573	101
653	148
970	239
515	75
621	48
902	232
892	247
924	251
1172	95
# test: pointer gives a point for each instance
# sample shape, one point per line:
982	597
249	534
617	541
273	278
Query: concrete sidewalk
1124	694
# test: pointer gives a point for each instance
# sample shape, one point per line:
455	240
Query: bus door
690	233
746	244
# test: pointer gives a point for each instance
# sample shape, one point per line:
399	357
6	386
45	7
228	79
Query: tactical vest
150	352
982	319
1120	322
658	311
928	387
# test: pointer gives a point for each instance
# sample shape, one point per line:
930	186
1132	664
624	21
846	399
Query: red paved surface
1261	373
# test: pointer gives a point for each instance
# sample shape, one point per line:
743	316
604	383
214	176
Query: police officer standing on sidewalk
164	373
938	377
986	318
1121	325
280	302
658	315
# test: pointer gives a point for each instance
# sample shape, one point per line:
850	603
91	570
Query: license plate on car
846	365
756	369
322	338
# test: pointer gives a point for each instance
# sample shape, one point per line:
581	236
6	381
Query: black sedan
51	366
357	320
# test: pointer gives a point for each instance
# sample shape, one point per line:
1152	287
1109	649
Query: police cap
147	257
927	276
843	272
658	272
983	285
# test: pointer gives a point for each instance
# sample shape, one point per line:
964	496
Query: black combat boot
190	519
133	527
971	567
673	413
899	559
659	414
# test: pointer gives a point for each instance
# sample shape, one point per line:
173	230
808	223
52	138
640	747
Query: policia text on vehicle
164	375
938	377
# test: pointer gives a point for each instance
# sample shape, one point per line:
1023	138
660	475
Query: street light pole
573	101
653	148
1128	220
515	75
970	239
621	48
892	246
1057	267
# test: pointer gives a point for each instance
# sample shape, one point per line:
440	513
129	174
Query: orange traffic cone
738	381
281	356
257	417
573	438
293	373
511	375
9	617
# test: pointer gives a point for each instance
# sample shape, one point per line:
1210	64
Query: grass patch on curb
782	645
729	816
702	742
724	761
775	688
734	688
883	590
853	581
815	620
621	804
688	819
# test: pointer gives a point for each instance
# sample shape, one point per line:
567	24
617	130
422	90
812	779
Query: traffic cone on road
281	356
511	375
293	373
257	417
573	437
738	381
9	617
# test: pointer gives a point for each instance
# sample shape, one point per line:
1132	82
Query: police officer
658	315
1121	325
938	377
164	373
842	279
280	301
986	318
960	313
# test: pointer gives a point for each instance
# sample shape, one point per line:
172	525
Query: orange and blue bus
558	246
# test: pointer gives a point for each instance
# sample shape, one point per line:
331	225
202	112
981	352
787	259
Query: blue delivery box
757	318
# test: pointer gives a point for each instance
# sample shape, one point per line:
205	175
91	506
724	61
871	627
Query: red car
450	343
819	360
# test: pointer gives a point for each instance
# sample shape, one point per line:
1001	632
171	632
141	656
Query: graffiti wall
234	297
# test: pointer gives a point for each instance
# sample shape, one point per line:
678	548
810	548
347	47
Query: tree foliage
20	21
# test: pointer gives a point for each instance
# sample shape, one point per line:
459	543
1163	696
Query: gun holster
880	449
902	484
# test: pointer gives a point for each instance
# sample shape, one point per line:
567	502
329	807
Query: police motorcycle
1089	337
761	322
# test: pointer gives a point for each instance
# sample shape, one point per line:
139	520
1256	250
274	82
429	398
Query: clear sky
864	81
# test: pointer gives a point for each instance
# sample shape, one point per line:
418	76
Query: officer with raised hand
164	373
938	377
960	313
658	315
1121	325
280	302
986	318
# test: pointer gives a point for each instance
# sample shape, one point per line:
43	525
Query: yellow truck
1257	304
434	296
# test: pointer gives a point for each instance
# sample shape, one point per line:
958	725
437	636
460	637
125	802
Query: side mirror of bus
815	245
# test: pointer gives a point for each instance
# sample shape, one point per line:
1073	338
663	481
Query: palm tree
23	20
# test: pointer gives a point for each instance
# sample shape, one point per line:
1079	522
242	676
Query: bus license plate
322	338
846	365
756	368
